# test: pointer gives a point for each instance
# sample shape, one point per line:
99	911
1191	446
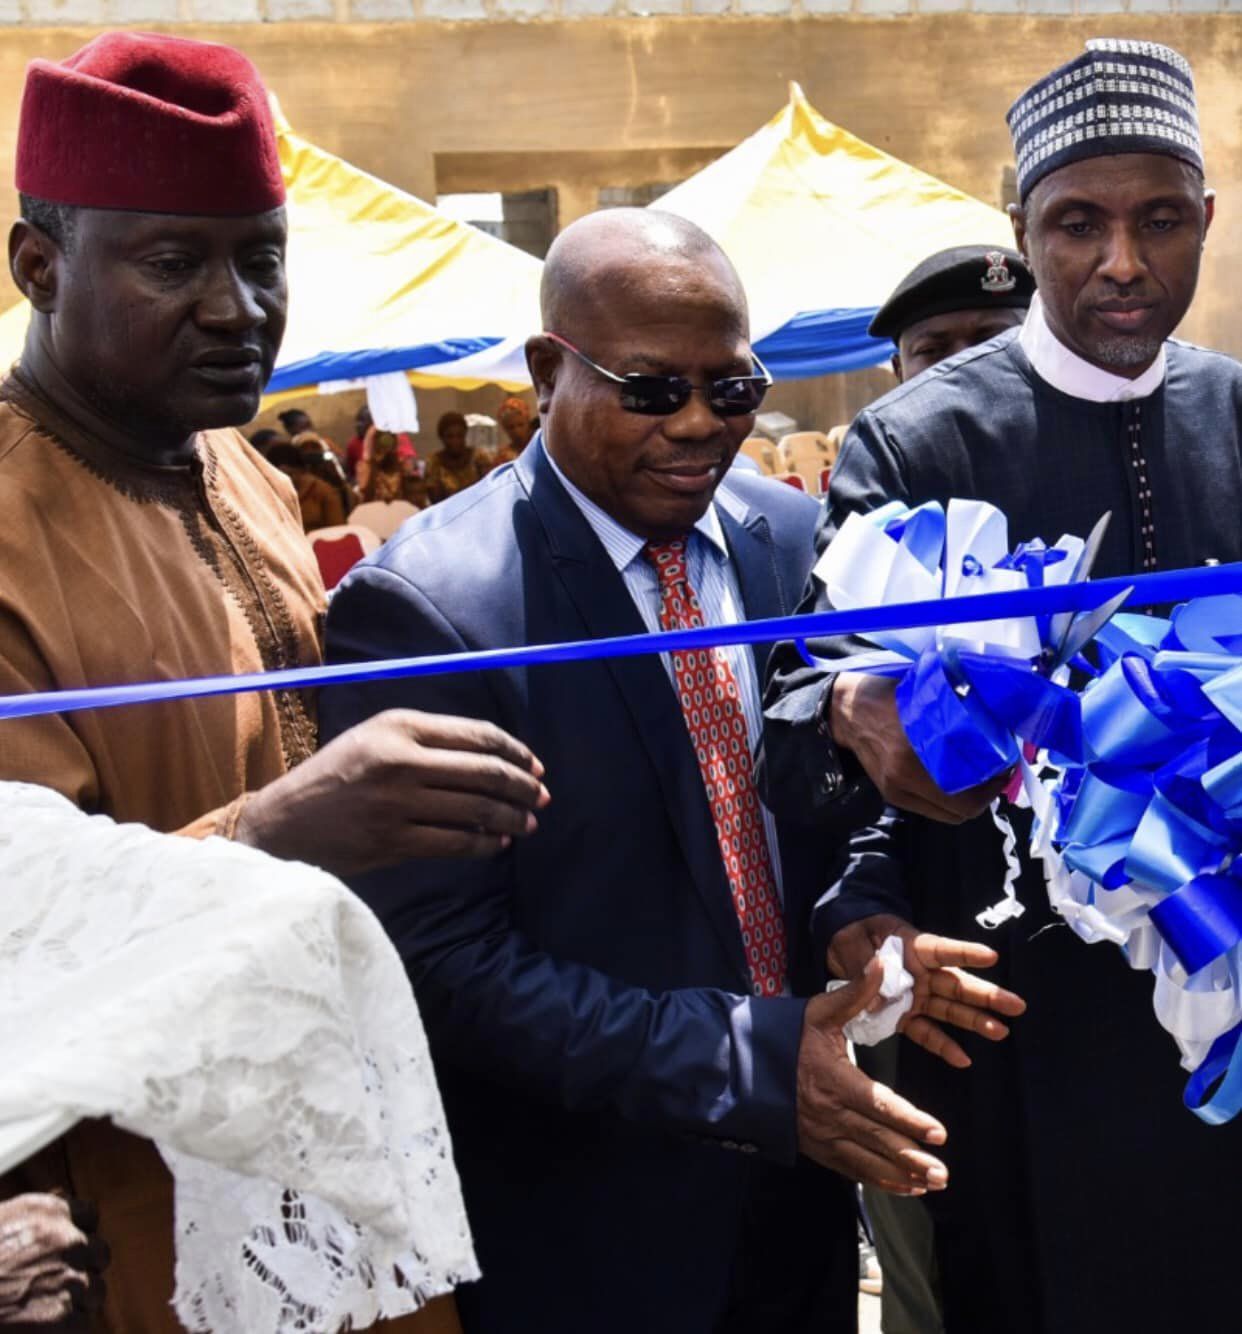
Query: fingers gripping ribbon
976	698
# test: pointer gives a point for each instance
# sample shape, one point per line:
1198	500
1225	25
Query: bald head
633	253
646	339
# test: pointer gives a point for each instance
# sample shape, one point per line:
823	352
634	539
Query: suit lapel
606	608
754	561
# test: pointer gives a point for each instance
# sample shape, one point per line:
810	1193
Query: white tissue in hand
897	989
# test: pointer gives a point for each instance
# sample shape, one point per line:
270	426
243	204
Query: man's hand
49	1265
849	1123
400	785
941	991
865	720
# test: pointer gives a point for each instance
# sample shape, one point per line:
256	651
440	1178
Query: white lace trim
252	1019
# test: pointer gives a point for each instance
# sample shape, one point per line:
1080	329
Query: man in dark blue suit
644	1108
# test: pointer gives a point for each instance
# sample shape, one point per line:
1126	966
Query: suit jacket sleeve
694	1060
869	473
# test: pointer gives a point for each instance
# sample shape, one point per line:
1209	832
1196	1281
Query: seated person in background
264	440
517	422
357	444
297	423
317	450
319	503
457	465
386	474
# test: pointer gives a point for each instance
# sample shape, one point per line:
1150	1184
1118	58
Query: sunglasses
663	395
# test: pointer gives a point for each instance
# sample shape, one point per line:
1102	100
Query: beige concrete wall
626	100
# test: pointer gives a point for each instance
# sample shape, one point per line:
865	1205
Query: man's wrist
833	716
241	826
840	769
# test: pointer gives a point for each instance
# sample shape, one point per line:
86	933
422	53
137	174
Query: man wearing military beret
954	299
949	302
1085	1198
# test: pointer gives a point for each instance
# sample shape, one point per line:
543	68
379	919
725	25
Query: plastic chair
336	557
339	548
762	451
807	453
383	517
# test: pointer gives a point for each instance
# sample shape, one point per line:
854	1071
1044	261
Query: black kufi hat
1119	96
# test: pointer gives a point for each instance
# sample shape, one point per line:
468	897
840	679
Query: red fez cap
149	123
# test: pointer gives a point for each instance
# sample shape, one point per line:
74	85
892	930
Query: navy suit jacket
623	1112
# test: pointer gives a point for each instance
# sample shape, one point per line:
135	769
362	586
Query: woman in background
457	465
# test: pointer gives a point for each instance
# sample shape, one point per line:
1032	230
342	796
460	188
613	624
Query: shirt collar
1068	372
623	546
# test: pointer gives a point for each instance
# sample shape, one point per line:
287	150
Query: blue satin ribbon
1144	590
960	742
1224	1063
1202	920
964	713
921	531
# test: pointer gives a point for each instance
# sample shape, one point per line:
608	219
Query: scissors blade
1091	551
1063	622
1086	625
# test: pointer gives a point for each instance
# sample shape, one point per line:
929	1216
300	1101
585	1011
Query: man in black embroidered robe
1083	1197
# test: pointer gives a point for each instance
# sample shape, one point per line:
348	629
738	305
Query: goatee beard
1124	354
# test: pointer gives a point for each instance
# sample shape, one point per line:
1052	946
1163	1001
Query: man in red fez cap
140	536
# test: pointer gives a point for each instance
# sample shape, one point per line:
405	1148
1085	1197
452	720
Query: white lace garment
250	1017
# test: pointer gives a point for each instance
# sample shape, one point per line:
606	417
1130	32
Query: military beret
968	277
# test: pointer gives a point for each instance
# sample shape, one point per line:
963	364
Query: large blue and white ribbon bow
972	696
970	693
1141	840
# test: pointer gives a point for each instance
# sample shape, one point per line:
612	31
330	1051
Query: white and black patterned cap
1119	96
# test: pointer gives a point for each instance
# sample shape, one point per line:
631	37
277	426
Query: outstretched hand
943	992
50	1265
849	1123
401	784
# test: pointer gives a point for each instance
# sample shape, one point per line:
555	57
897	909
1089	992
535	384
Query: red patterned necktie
713	711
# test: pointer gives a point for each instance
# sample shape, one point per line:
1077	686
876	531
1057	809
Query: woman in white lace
251	1018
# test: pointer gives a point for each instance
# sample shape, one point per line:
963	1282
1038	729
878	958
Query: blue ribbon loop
1224	1063
1202	920
961	742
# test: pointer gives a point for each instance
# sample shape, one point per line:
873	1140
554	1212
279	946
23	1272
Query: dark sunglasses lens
737	397
655	395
